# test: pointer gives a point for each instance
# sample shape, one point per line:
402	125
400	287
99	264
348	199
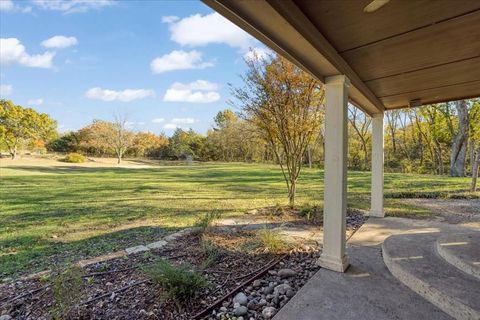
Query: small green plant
213	252
310	212
44	278
74	158
205	223
67	288
179	282
271	240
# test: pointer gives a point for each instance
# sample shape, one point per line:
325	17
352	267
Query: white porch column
335	184
376	209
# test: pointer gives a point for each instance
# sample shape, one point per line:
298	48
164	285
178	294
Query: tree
475	142
147	144
20	125
225	118
460	141
103	137
118	136
186	144
361	125
284	103
68	142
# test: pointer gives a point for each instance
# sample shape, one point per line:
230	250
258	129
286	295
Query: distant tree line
280	119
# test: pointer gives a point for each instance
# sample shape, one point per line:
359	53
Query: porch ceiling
426	50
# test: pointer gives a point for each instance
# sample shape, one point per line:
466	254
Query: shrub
179	282
67	291
74	158
271	240
205	223
213	253
311	212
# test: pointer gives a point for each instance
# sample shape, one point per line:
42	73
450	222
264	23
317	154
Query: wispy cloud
124	95
200	91
183	120
179	60
171	126
257	53
6	5
72	6
158	120
35	102
6	90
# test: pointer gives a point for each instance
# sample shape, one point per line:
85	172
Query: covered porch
378	55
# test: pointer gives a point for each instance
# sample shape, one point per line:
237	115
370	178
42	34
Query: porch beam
335	183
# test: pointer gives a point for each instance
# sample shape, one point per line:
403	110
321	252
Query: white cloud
6	5
124	96
198	30
35	102
5	90
169	19
257	52
183	120
72	6
179	60
170	126
59	42
129	124
200	91
158	120
12	51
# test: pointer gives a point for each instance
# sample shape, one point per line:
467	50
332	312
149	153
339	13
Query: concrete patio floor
367	290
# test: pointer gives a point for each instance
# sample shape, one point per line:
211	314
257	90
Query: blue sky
163	64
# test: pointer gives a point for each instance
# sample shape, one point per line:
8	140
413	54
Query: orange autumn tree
286	105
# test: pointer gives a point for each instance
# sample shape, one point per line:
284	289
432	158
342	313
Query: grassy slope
57	214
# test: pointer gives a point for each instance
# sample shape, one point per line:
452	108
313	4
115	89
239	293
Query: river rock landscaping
218	271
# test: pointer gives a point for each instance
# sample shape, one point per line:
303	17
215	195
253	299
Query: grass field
53	213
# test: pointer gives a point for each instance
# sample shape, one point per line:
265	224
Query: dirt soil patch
455	211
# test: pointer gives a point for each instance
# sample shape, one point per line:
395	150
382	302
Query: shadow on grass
48	253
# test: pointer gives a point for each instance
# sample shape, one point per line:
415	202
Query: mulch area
121	289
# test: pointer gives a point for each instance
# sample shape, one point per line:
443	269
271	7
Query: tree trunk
309	151
475	165
459	146
13	153
291	193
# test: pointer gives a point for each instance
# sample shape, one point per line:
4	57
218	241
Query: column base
377	213
334	264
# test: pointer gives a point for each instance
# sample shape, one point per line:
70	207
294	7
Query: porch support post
335	183
376	209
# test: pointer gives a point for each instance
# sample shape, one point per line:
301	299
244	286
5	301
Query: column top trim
338	79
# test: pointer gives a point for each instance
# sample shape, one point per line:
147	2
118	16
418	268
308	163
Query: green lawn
51	215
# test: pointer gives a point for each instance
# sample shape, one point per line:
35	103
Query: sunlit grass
58	214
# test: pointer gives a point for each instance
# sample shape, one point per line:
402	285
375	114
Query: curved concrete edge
456	261
449	305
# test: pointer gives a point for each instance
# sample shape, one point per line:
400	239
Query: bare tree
121	138
285	104
361	124
114	136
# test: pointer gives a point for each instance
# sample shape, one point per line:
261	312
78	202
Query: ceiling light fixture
375	5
